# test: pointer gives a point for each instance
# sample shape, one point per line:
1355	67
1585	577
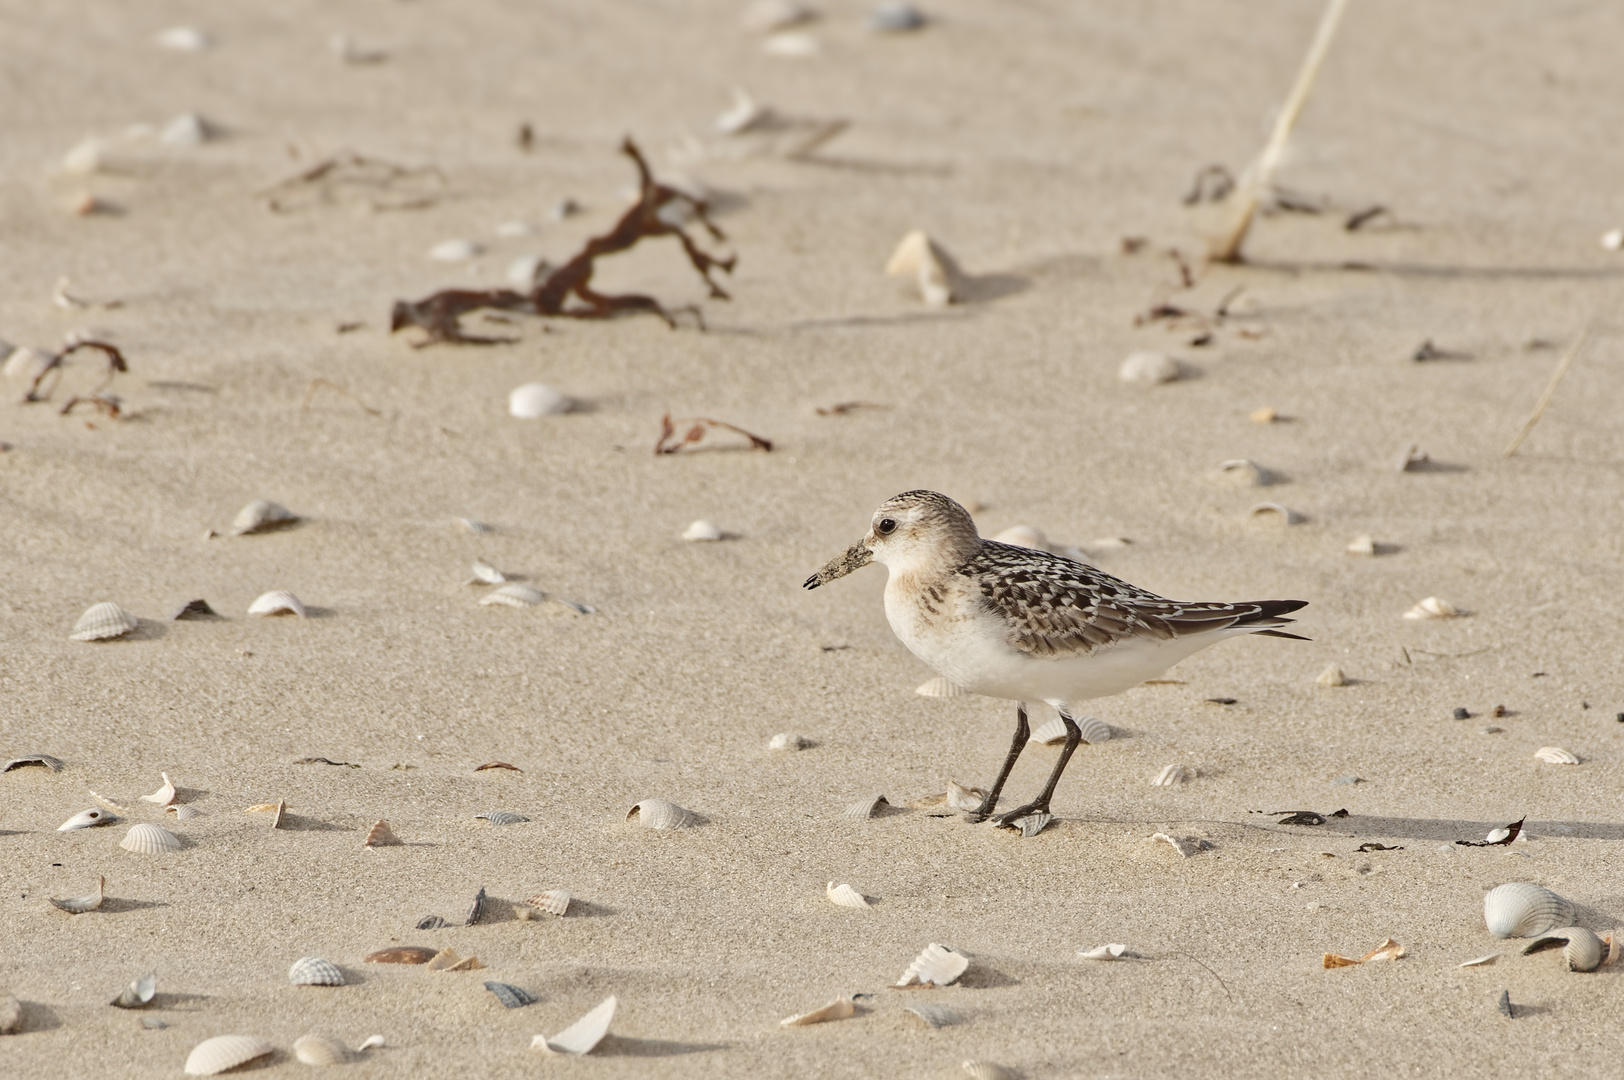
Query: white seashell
184	813
183	39
149	840
1433	608
960	797
1555	755
659	814
45	760
314	971
838	1009
1332	676
582	1036
702	530
320	1050
795	45
1583	950
938	965
78	905
369	1042
921	258
1362	545
844	896
164	795
381	835
138	994
535	400
553	902
455	251
1050	733
940	687
1112	951
1184	845
931	1015
526	270
788	740
24	364
1031	824
1411	458
1026	536
1522	909
193	609
1095	730
485	572
1479	961
1171	776
744	114
478	528
277	602
1147	368
986	1070
1244	472
515	229
765	16
89	156
103	622
1612	239
865	809
520	596
86	819
224	1052
262	515
187	129
1283	515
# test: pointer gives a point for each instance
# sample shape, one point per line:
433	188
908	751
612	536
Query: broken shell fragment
1171	776
583	1036
501	817
519	596
78	905
1411	458
960	797
1332	676
511	997
940	687
865	809
788	740
275	809
187	129
193	609
277	602
1244	472
1184	845
702	531
553	902
1523	909
401	954
1555	755
55	764
1479	961
448	960
1387	950
314	971
938	965
87	157
86	819
138	994
381	835
485	572
1582	949
919	257
534	400
1112	951
11	1015
932	1015
524	271
659	814
1362	545
844	896
262	515
479	910
183	813
1281	514
320	1050
224	1052
1433	608
164	795
149	840
1031	824
1148	368
103	622
838	1009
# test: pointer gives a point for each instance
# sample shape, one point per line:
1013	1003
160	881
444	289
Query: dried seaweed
1512	832
115	366
670	444
659	211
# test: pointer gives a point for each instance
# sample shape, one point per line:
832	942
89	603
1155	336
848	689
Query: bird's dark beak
856	557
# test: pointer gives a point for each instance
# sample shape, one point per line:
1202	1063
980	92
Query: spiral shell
844	896
103	622
1522	909
150	840
262	515
86	819
1582	949
320	1050
277	602
659	814
314	971
938	965
224	1052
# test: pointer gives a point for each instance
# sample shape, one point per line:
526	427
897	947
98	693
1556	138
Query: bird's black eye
886	527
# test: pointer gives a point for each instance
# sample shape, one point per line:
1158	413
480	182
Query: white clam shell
1555	755
184	813
938	965
1523	909
987	1070
702	531
1582	951
960	797
583	1036
788	740
1433	607
932	1015
262	515
553	902
314	971
865	808
838	1009
1094	731
1031	824
277	602
1171	776
86	819
1332	676
164	795
85	158
485	572
103	622
535	400
320	1050
1148	367
1244	472
940	687
659	814
513	595
149	840
791	44
224	1052
921	258
1112	951
1274	511
455	250
844	896
138	994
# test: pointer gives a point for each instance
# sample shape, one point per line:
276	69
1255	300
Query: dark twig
1360	218
670	444
115	365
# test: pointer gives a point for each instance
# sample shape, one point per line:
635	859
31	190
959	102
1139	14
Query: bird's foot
974	817
1007	819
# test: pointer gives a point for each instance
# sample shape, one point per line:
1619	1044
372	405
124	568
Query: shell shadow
586	909
147	630
1594	917
115	906
625	1046
299	823
980	977
1445	829
176	1002
37	1016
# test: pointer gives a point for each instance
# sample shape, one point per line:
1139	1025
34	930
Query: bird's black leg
1015	747
1040	805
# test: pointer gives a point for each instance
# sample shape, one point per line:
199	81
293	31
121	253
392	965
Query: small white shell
1479	961
490	575
320	1050
369	1042
844	896
1026	536
478	528
940	687
86	819
85	158
1612	239
1555	755
1522	909
1052	732
1094	731
1362	545
1412	457
1148	367
788	740
277	602
583	1036
865	809
314	971
1244	472
987	1070
1433	608
523	271
513	595
187	129
515	228
919	257
381	835
791	44
702	531
138	994
553	902
262	515
149	840
838	1009
1112	951
659	814
960	797
103	622
1332	676
1184	845
184	813
456	250
1584	951
1284	515
535	400
183	39
1171	776
24	363
78	905
164	795
938	964
224	1052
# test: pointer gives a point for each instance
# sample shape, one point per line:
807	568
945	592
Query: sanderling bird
1023	624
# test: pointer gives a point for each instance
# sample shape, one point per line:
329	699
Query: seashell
960	797
448	960
103	622
479	910
149	840
938	965
1522	909
1148	368
1094	731
1026	536
193	609
183	39
275	809
1555	755
1361	545
369	1042
865	808
765	16
314	971
988	1070
513	595
431	922
11	1015
512	230
224	1052
791	45
401	954
931	1015
511	997
553	902
501	817
919	257
485	572
583	1036
1244	472
1582	949
702	531
320	1050
1184	845
1264	415
138	994
262	515
1031	824
497	765
1411	459
455	251
277	602
1479	961
78	905
788	740
478	528
1612	239
187	129
940	687
1171	776
1112	951
1433	608
1332	676
86	819
153	1023
838	1009
895	17
24	363
844	896
164	795
535	400
381	835
744	114
88	156
1284	515
55	764
659	814
526	271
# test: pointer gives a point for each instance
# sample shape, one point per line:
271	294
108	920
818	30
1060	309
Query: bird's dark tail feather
1270	615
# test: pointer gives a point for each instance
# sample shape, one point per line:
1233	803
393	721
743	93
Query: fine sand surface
1028	138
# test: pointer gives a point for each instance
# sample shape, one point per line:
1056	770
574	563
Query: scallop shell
511	997
149	840
1094	731
1583	951
702	530
844	896
401	954
1522	909
553	902
87	819
960	797
1244	472
1285	515
49	762
262	515
933	1016
381	835
501	817
1332	676
314	971
788	740
940	687
164	795
519	596
1433	608
224	1052
277	602
1555	755
1361	545
938	965
1147	368
138	994
988	1070
583	1036
534	400
485	572
838	1009
1031	824
103	622
1026	536
320	1050
78	905
659	814
1112	951
865	808
183	813
1171	776
921	258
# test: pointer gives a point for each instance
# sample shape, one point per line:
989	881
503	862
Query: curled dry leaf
1387	950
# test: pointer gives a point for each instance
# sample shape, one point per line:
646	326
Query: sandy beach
1029	139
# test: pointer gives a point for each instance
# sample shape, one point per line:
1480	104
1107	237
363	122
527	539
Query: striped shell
320	1050
1031	824
934	1016
314	971
262	515
1522	909
1583	950
865	809
838	1009
960	797
1555	755
938	965
940	687
987	1070
511	997
844	896
149	840
659	814
86	819
381	835
277	602
103	622
224	1052
583	1036
501	817
183	813
553	902
1171	776
513	595
1094	731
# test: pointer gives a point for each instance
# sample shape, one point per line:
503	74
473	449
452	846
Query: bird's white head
910	533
